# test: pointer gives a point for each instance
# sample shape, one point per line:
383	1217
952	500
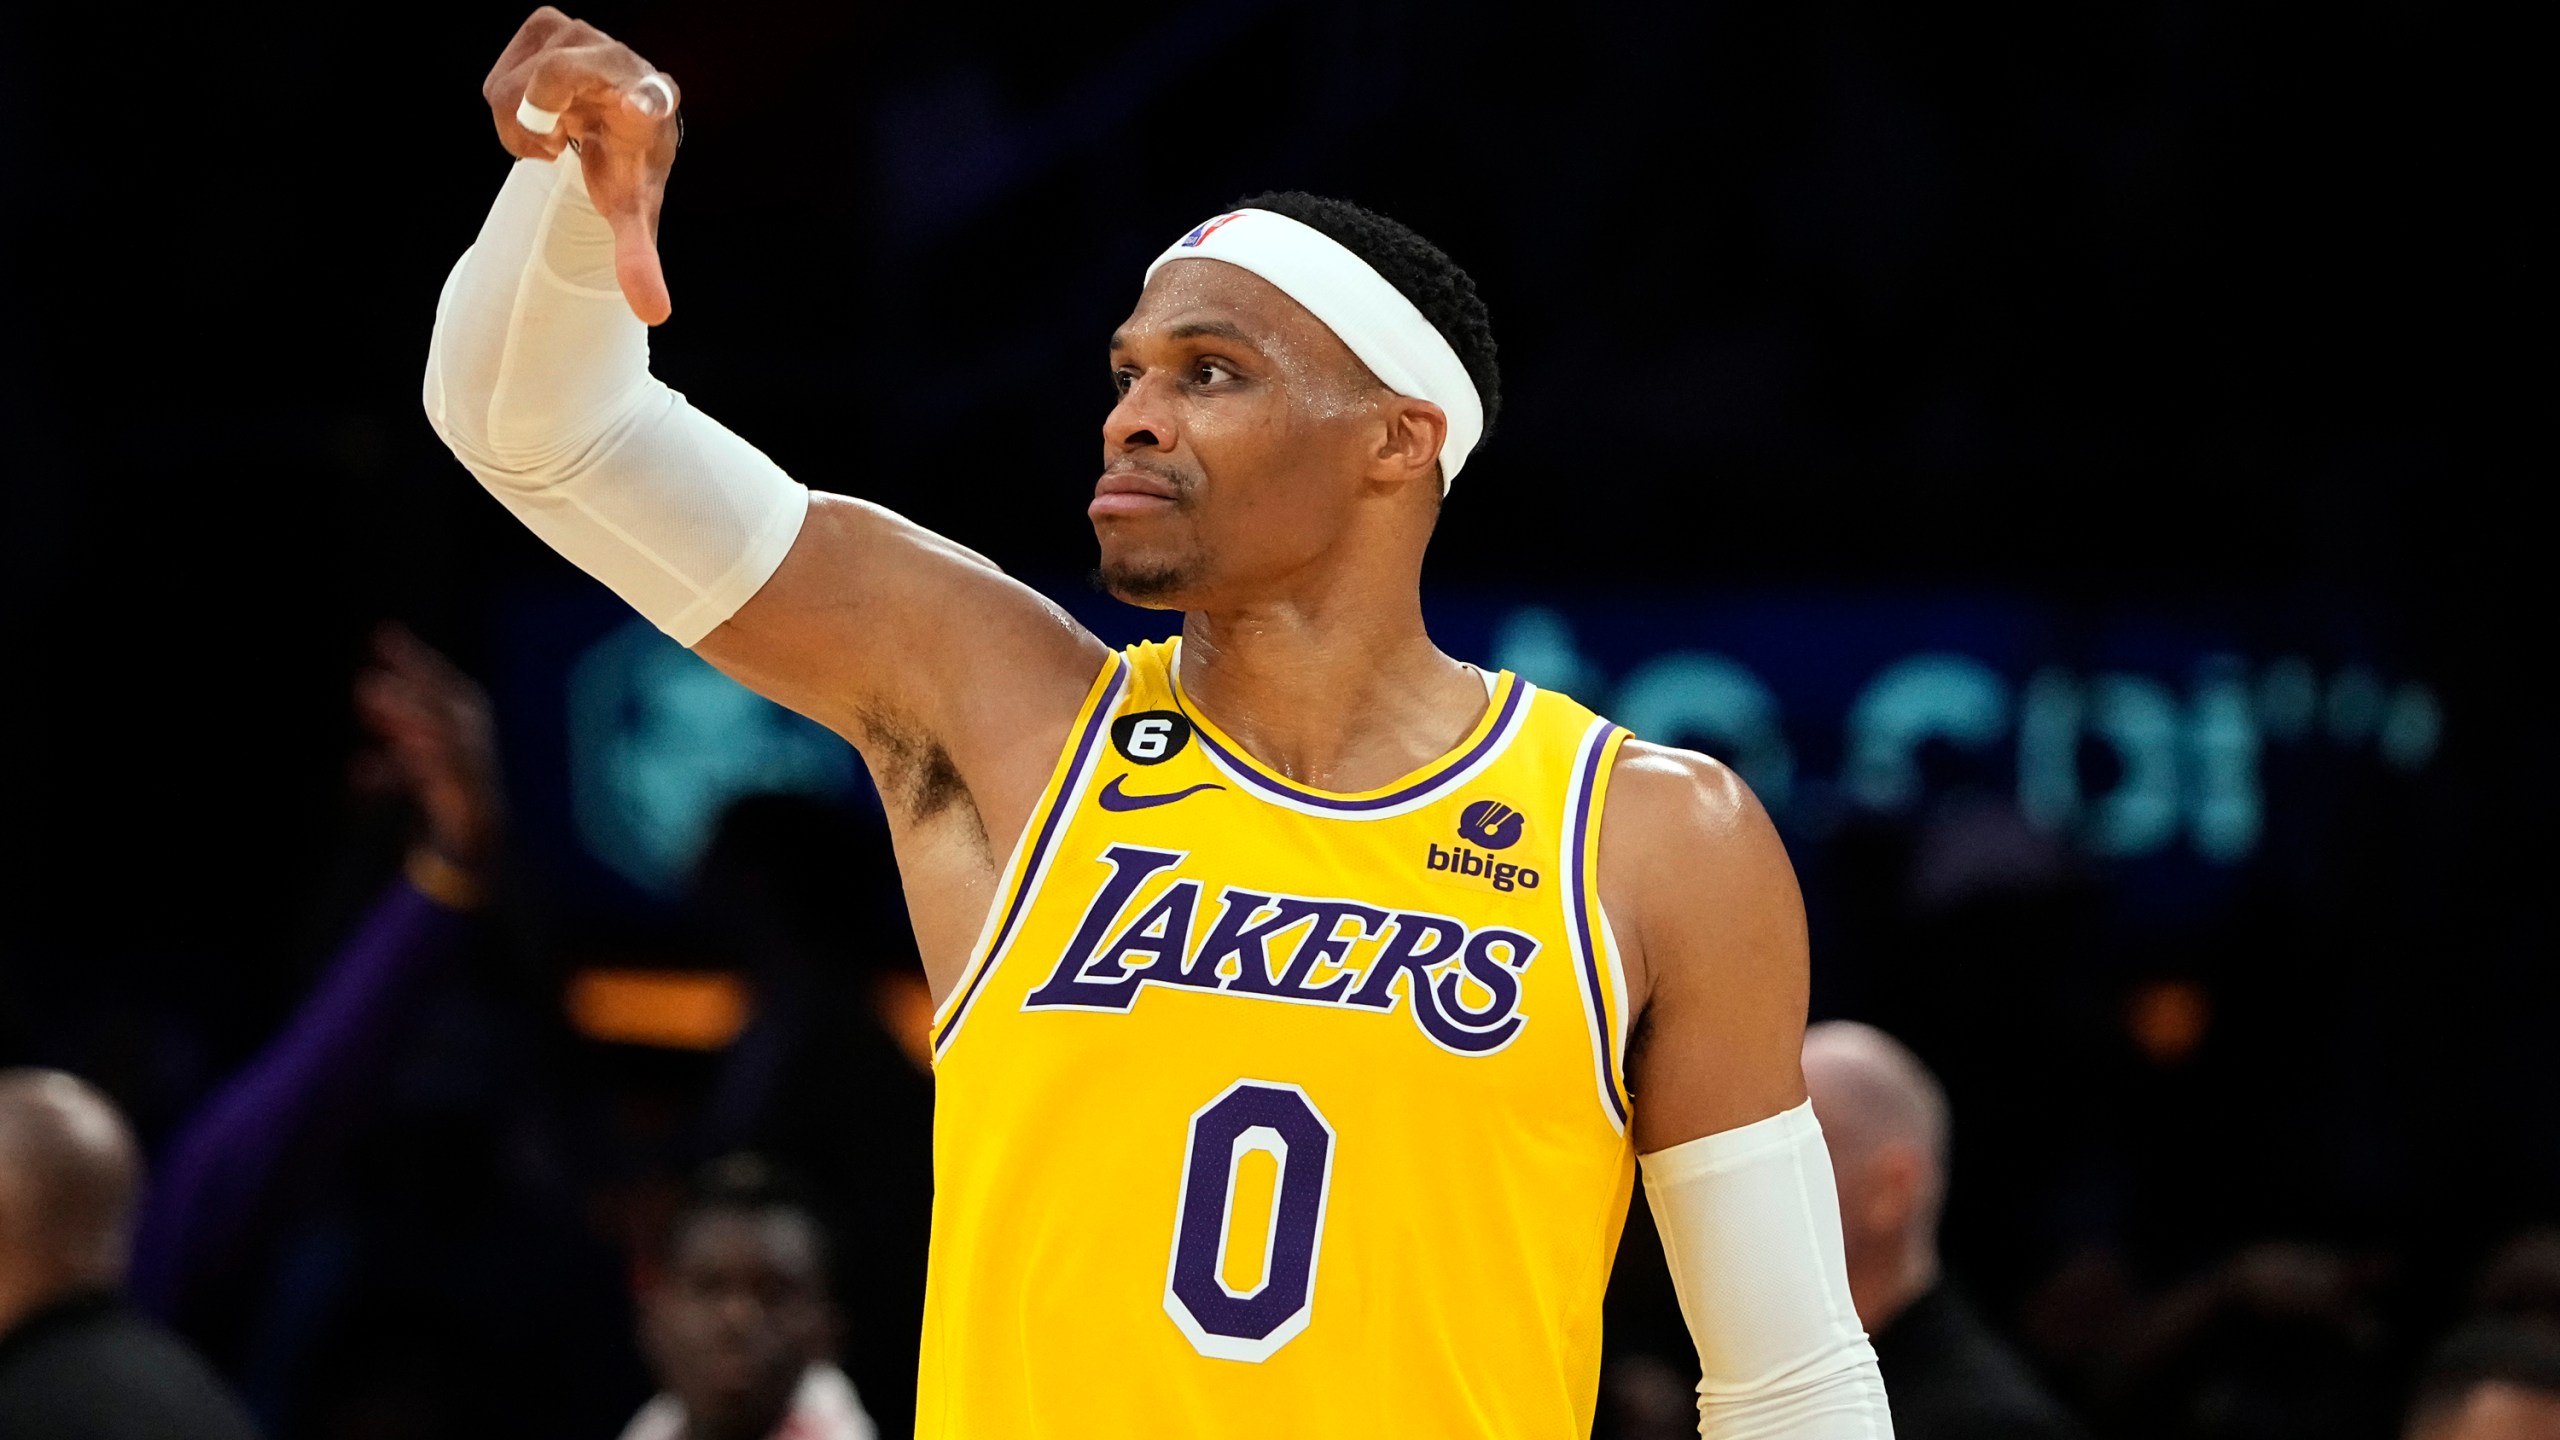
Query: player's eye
1210	372
1122	379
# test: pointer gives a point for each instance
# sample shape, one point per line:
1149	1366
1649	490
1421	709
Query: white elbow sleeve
1750	1221
538	380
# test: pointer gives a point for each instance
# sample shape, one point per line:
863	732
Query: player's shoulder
1661	794
1695	876
1683	836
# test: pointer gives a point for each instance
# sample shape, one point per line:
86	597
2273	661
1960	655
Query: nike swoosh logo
1112	798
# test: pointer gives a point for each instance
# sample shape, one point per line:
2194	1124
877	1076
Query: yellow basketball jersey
1266	1111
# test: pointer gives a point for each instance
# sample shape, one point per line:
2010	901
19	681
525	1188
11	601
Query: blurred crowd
483	1177
432	1201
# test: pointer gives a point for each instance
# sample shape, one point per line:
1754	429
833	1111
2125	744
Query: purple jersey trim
1585	801
1038	855
1246	770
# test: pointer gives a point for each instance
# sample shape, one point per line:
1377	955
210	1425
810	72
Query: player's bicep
1696	871
871	617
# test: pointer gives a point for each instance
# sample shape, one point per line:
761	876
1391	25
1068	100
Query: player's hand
434	744
619	111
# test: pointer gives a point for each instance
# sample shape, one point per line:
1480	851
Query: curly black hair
1445	294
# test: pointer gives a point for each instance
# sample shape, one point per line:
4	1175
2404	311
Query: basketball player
1305	995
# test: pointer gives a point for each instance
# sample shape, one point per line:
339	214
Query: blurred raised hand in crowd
435	747
228	1167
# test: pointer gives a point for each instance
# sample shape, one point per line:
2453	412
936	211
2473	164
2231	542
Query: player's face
740	1314
1240	443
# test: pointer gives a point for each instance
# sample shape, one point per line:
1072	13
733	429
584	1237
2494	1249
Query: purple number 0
1222	1322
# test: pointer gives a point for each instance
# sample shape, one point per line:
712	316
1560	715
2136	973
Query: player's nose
1141	419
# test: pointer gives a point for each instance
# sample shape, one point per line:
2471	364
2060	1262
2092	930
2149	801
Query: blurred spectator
2498	1380
2522	1281
75	1362
1886	1120
833	1078
738	1325
2279	1342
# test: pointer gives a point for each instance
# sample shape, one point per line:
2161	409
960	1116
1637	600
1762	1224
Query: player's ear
1409	443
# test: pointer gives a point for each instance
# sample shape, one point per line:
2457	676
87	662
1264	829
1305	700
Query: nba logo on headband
1204	230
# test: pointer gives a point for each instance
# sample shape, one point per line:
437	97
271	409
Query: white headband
1406	352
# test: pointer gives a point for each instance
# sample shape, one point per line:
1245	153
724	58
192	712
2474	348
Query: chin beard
1141	585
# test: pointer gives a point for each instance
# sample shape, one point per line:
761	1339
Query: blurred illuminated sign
660	743
2135	738
668	1009
2184	748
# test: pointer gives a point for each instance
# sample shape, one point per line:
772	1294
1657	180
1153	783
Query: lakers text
1461	984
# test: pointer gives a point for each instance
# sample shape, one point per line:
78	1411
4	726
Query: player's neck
1336	691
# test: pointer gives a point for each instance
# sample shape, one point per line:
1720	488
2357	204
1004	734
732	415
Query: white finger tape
666	94
536	119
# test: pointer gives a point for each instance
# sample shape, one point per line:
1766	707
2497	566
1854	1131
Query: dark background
2199	317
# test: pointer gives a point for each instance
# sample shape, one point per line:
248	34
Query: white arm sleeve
1750	1221
538	379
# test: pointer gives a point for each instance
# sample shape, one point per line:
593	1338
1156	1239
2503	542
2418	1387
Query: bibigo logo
1491	824
1494	826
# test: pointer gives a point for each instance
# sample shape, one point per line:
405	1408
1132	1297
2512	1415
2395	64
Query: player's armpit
1711	934
892	635
958	684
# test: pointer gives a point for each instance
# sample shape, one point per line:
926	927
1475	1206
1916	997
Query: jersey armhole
1596	969
1029	860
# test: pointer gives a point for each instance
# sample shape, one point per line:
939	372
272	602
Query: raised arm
230	1167
957	682
1711	931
